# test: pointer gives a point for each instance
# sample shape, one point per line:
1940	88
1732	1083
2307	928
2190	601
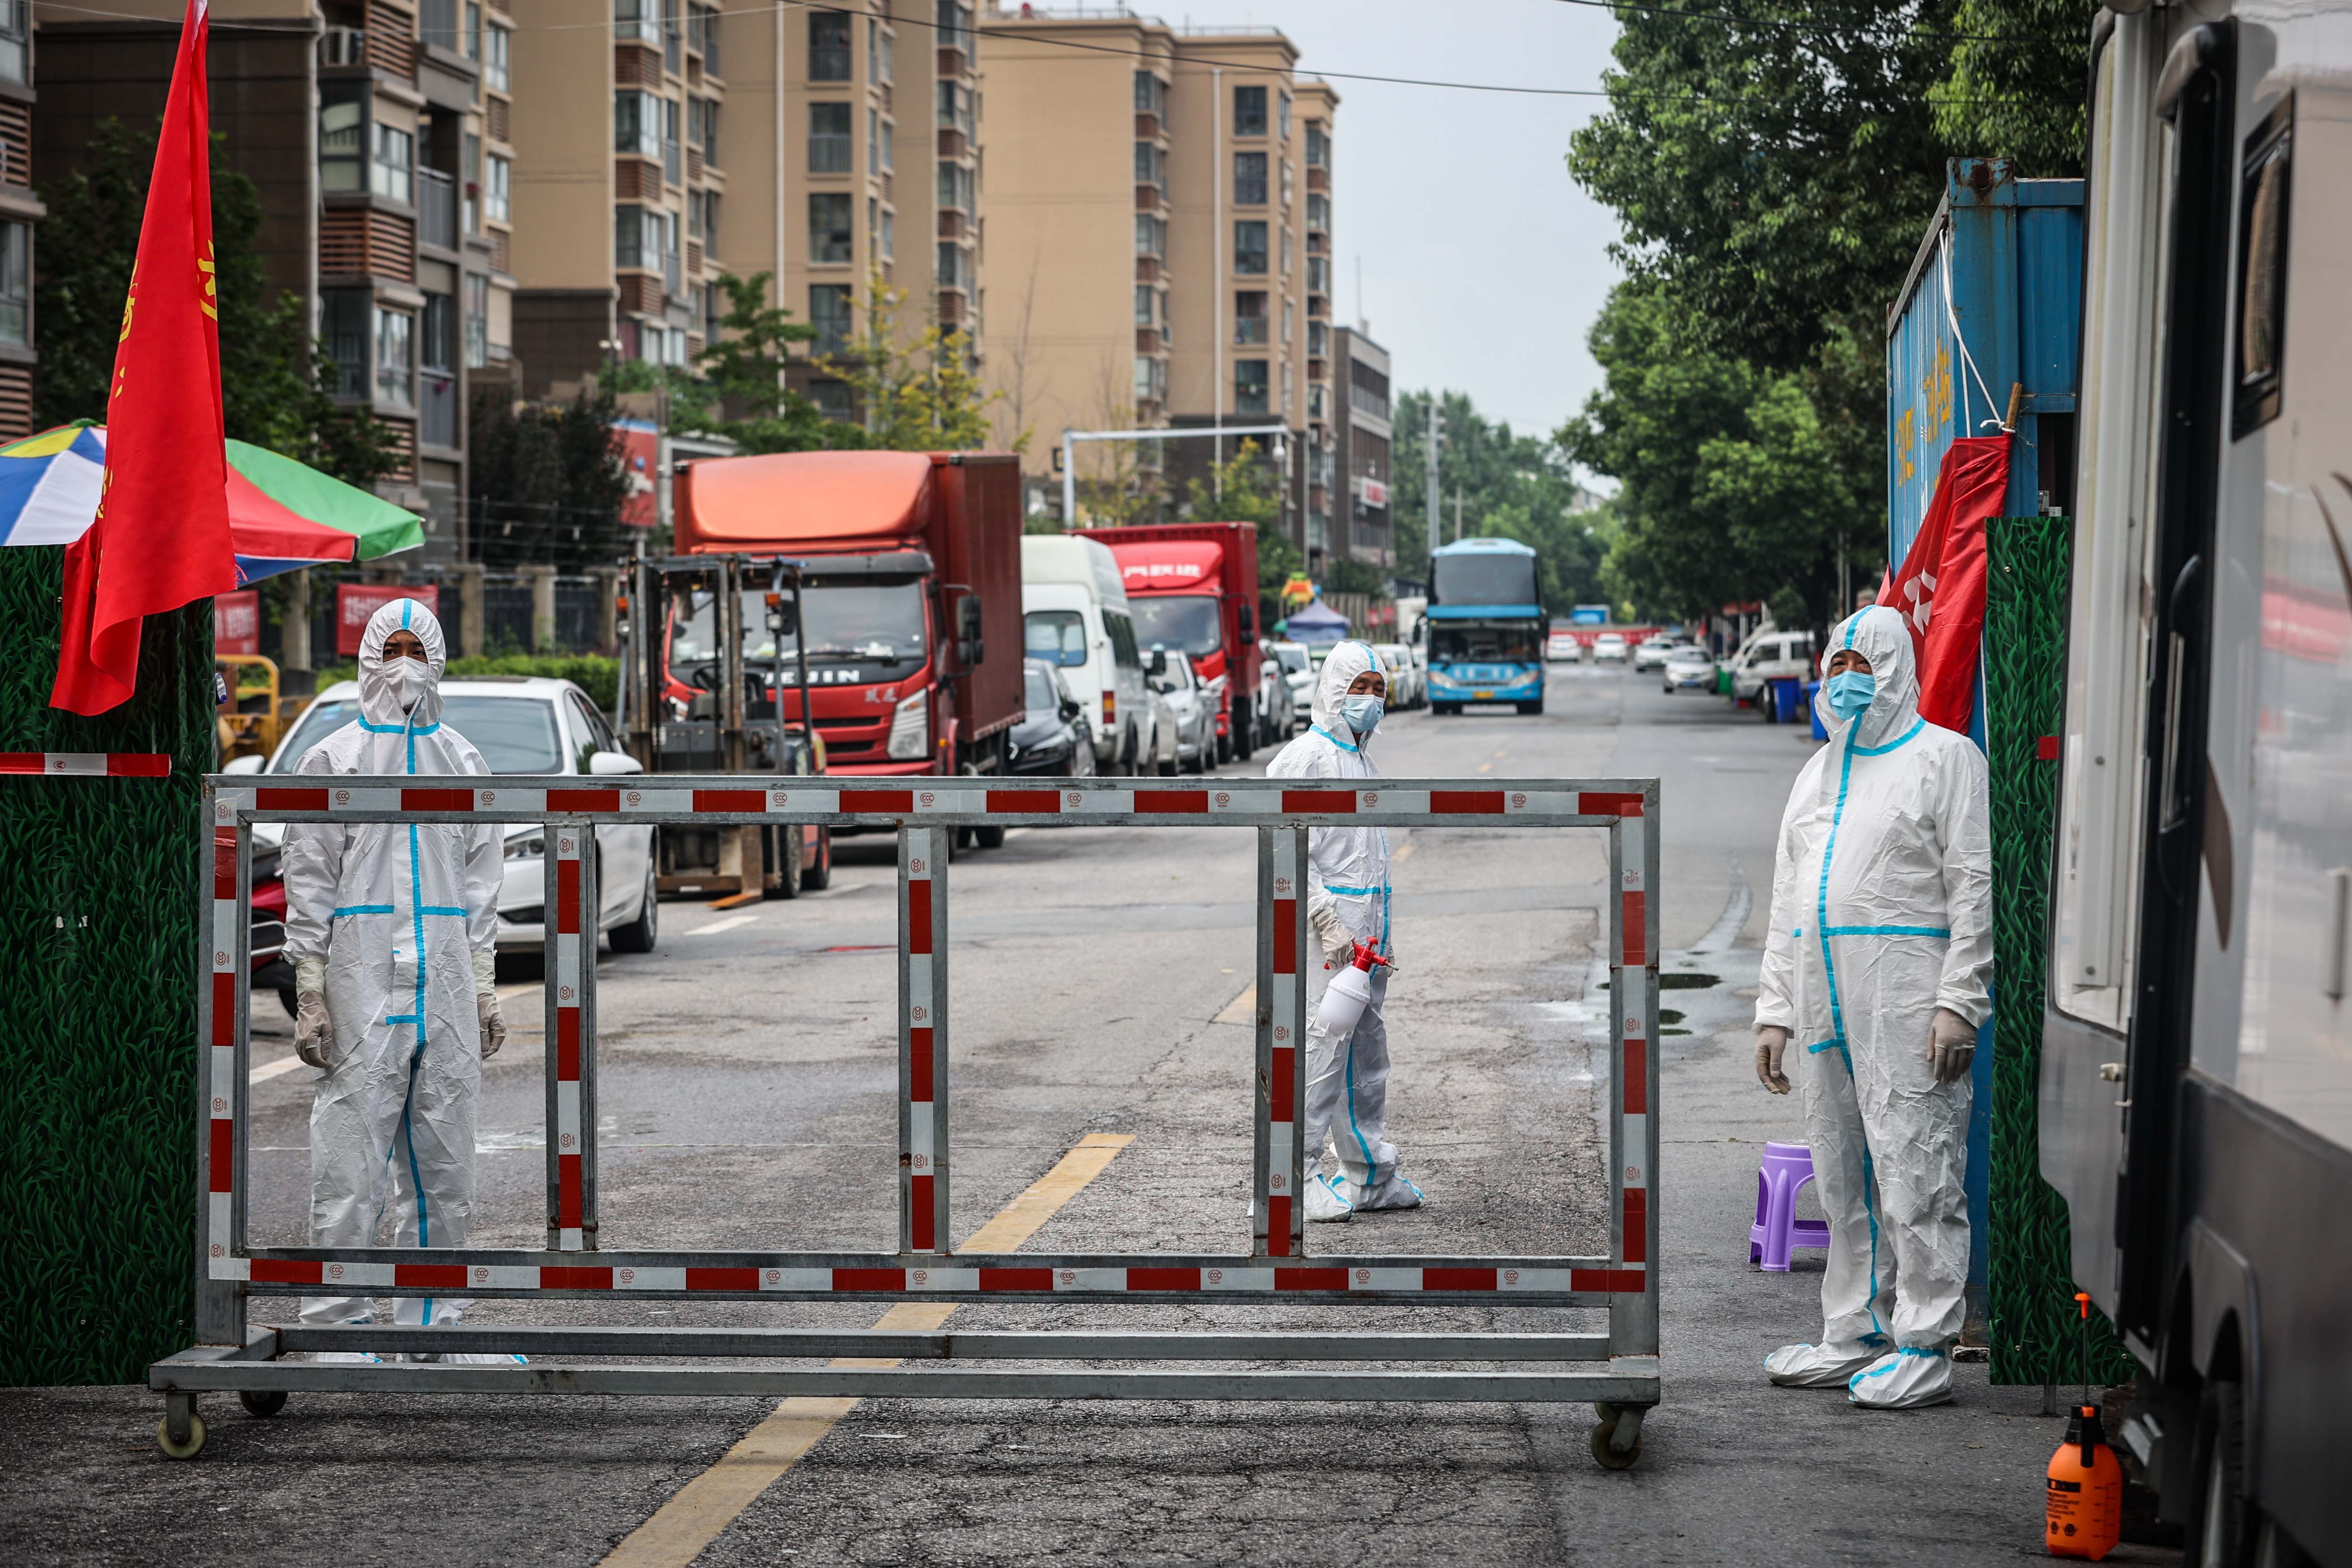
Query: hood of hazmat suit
1348	900
1881	913
397	912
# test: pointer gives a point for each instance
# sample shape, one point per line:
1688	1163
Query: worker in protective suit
1875	972
1347	902
391	928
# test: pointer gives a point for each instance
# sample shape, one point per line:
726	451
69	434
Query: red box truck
910	569
1194	586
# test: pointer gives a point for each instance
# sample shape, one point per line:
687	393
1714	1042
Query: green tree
923	396
2013	88
546	481
1511	486
277	387
743	396
1775	171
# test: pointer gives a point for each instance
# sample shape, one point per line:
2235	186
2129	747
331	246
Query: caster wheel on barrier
187	1450
1603	1454
262	1404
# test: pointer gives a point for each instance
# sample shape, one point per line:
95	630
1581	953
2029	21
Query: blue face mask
1362	712
1849	692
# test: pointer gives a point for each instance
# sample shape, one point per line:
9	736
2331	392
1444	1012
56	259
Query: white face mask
411	679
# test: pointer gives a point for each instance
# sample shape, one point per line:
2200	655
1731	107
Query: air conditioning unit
343	46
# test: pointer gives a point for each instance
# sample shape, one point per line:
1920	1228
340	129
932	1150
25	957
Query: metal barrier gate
231	1357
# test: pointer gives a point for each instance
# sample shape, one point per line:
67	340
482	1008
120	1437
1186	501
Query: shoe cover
1325	1205
1902	1379
1394	1193
1821	1365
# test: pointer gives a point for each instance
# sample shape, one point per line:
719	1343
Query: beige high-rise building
1176	276
867	164
619	181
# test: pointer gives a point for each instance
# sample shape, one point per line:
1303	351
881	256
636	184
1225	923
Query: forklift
698	695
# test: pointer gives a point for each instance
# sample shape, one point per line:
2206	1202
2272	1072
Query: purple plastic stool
1778	1231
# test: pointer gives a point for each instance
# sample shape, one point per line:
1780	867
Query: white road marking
728	924
277	1070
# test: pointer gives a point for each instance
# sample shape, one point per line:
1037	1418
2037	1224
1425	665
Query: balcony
1318	306
1318	370
952	224
954	143
1249	329
1147	269
1149	199
1148	340
1147	128
1318	181
437	209
954	64
439	414
693	166
951	304
1318	242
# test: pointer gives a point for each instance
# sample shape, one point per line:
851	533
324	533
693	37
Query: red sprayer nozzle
1366	956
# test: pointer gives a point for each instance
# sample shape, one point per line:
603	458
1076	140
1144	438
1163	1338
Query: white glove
1772	1044
314	1032
486	1004
1338	943
1951	1046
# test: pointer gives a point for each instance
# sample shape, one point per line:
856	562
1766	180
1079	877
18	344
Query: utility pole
1432	434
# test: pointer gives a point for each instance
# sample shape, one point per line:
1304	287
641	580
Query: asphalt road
748	1082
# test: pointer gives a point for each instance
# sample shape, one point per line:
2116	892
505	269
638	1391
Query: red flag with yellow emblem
161	537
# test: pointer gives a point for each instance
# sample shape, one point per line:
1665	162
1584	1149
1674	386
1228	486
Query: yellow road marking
1400	855
1486	768
690	1520
1242	1010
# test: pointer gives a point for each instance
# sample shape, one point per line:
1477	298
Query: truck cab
1192	586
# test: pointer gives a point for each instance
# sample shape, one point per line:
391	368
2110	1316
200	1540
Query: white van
1770	654
1074	615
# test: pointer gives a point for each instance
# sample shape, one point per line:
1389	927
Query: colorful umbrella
282	515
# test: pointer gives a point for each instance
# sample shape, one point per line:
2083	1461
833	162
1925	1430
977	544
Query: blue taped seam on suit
1896	745
397	729
1887	931
1331	737
362	909
1837	1014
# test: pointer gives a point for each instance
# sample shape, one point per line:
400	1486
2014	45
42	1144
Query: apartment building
619	186
19	211
867	167
378	136
1228	144
1361	434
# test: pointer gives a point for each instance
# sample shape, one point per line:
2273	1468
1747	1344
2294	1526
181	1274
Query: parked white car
1609	648
1651	653
1771	655
1298	670
1410	690
1562	648
1689	668
1188	702
523	724
1277	715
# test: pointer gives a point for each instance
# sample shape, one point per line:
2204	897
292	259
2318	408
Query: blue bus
1485	626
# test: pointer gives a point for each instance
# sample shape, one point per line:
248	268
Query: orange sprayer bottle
2085	1488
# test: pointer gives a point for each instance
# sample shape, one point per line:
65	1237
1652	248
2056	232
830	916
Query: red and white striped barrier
571	948
87	763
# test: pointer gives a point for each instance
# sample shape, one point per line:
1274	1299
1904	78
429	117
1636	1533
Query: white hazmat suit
1882	914
404	919
1348	900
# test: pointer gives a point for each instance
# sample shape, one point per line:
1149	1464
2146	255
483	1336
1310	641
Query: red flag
1941	588
162	538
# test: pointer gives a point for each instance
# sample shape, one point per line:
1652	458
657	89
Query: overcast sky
1484	263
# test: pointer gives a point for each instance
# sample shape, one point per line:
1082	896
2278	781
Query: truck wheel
785	844
1534	707
818	876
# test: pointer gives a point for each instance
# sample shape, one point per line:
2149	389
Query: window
873	215
1249	179
874	49
673	165
1287	308
1150	380
395	356
673	39
496	201
1249	112
1319	146
636	124
1249	316
710	131
1249	386
833	399
437	21
882	62
1150	94
640	237
477	320
1249	246
830	237
873	140
1319	212
343	328
1151	163
1318	274
702	34
889	234
1285	251
954	19
1286	386
955	107
1150	236
828	47
1284	100
473	30
1147	305
16	283
496	51
436	342
2261	270
955	187
710	204
343	137
15	61
829	151
955	272
1318	338
633	21
395	155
